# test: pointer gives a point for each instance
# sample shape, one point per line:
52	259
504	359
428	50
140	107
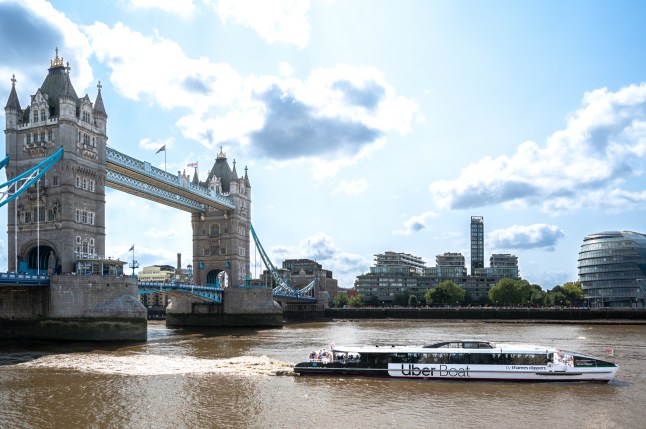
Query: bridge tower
58	224
221	237
70	201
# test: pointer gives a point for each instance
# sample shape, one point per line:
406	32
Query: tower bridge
56	229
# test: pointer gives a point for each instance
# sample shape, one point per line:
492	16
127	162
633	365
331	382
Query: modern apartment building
477	243
396	273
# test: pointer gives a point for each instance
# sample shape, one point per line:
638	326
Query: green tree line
507	292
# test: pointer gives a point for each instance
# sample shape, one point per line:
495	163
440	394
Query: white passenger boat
459	360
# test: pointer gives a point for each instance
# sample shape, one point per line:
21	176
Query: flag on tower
161	149
192	164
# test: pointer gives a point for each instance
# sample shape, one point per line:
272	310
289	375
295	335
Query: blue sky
366	126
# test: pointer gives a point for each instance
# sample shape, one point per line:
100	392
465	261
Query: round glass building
612	269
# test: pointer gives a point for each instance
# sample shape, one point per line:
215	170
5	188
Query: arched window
214	229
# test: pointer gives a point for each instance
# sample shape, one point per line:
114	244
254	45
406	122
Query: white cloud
352	187
158	68
415	224
183	8
535	236
155	145
273	20
43	29
585	165
285	69
333	118
160	233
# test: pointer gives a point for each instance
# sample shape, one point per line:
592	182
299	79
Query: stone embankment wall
75	308
637	315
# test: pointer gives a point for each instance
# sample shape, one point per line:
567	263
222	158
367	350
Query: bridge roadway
141	179
210	293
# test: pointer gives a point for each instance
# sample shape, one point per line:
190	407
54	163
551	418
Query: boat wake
151	364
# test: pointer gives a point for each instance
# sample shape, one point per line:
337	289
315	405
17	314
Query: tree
447	293
357	301
428	297
511	292
413	301
574	292
401	299
341	299
570	293
372	300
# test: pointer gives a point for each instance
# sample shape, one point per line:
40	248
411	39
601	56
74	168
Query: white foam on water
151	364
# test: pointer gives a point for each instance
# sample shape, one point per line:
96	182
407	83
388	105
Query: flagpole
164	157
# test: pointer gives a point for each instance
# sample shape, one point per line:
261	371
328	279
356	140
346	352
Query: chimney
179	261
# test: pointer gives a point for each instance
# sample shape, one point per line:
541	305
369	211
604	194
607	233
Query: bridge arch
41	257
218	276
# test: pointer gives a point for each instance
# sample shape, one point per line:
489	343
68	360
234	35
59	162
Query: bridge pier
239	307
74	308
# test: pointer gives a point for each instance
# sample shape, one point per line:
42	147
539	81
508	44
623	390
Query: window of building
42	136
86	116
35	115
28	217
42	115
51	215
28	139
50	135
55	180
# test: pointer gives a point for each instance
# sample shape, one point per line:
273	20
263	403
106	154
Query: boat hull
458	373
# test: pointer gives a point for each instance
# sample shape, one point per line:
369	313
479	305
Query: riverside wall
597	315
74	308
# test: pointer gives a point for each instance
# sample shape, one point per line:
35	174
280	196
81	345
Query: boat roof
454	346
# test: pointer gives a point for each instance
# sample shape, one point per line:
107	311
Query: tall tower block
477	243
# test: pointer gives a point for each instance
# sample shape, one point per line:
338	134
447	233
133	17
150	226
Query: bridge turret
12	110
100	115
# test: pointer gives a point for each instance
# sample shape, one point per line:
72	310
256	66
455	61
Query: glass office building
612	269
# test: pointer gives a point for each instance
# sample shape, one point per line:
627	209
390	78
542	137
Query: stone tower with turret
60	223
221	237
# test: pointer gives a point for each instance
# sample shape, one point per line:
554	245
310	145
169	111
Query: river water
241	378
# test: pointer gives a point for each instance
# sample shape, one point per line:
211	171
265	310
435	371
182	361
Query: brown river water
241	378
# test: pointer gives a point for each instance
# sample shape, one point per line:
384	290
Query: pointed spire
196	180
99	108
13	102
246	178
234	172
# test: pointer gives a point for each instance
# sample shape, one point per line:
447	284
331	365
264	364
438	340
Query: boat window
406	357
374	358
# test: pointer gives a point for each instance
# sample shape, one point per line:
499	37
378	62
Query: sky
366	126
